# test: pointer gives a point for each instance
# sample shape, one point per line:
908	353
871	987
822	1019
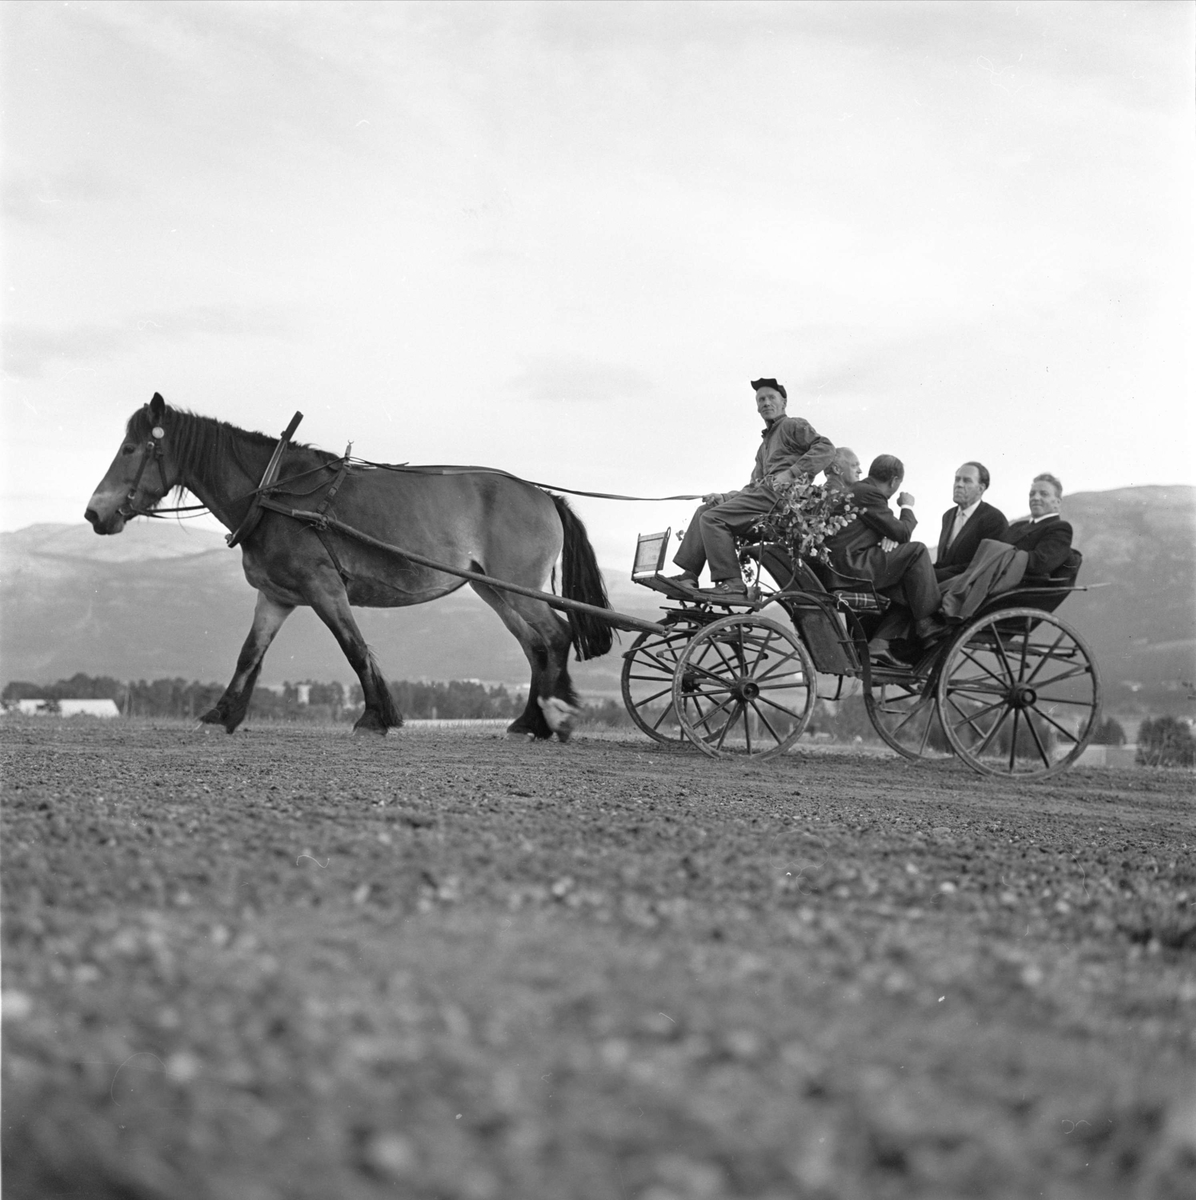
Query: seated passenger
903	574
843	470
1028	552
967	524
791	448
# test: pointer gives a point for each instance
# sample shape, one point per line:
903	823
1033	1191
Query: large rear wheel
1019	694
744	685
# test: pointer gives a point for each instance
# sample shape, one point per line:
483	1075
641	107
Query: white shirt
962	516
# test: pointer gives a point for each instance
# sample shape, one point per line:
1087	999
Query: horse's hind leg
551	701
229	710
332	607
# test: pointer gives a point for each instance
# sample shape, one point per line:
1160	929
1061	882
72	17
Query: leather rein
152	451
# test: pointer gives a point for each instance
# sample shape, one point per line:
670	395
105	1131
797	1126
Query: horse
467	518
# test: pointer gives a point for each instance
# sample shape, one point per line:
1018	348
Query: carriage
1013	691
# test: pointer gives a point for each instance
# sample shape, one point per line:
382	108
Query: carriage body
1012	691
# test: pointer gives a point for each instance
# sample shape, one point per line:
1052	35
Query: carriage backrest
1044	594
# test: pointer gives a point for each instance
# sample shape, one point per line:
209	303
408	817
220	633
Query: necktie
957	529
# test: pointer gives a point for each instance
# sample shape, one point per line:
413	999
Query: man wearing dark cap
790	448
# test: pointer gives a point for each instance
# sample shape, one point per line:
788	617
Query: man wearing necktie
967	524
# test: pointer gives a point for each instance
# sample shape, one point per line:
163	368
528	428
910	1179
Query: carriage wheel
904	712
648	681
744	685
1019	694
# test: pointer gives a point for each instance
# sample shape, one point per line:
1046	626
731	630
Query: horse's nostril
91	516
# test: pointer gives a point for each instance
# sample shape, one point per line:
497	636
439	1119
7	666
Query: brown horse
466	518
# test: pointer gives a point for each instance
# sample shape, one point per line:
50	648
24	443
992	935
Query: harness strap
322	507
324	522
254	515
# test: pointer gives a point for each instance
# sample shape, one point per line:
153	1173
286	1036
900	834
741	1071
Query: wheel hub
1023	696
745	689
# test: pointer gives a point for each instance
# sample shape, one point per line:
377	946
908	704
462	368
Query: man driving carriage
790	448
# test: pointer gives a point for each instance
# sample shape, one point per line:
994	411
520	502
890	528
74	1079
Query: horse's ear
157	407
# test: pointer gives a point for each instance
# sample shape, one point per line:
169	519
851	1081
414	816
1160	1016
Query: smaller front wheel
744	685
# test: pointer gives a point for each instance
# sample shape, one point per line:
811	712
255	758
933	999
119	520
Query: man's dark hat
757	384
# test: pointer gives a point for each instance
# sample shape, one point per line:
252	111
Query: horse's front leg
230	709
328	598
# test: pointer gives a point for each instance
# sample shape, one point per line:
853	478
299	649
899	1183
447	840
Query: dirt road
295	964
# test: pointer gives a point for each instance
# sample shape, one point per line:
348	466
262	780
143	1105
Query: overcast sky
561	238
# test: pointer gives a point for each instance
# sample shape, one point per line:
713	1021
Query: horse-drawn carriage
1013	691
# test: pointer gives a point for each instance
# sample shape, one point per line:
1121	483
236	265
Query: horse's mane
202	445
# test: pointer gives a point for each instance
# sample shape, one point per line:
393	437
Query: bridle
151	452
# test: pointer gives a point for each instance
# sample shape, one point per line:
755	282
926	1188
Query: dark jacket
1048	543
855	550
985	522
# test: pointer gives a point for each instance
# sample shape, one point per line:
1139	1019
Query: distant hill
164	600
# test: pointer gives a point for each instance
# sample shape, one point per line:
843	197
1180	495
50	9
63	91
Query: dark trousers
907	579
711	534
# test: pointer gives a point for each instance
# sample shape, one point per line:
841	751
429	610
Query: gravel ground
292	963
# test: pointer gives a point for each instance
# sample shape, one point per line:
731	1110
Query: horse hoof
560	715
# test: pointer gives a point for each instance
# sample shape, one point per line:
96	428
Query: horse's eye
128	449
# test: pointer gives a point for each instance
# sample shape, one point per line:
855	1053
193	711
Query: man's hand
887	545
713	498
905	500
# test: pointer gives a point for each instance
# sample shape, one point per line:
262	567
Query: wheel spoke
722	737
779	707
982	666
1067	733
776	737
1042	753
1017	712
1044	655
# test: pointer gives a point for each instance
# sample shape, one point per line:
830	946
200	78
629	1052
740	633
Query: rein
548	487
271	485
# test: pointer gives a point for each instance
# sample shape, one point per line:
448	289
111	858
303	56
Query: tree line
456	700
1162	741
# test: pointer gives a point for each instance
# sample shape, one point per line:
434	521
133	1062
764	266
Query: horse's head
141	474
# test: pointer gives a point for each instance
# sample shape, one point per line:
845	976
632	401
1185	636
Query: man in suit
904	574
1046	536
967	524
1028	552
790	448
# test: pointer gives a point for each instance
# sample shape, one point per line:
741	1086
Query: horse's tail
581	580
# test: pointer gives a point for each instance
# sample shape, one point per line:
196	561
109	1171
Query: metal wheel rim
739	672
1019	694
